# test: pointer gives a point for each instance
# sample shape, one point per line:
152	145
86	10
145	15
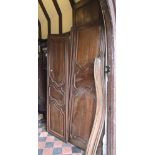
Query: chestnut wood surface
82	94
100	108
57	108
109	17
87	12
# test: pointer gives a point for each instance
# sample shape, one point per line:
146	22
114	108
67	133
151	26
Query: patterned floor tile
44	134
40	151
42	139
76	150
50	139
58	144
41	145
57	151
66	150
48	151
66	144
50	145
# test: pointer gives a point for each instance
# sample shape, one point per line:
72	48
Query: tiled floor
50	145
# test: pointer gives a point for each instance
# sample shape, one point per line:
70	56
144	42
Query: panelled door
57	106
83	94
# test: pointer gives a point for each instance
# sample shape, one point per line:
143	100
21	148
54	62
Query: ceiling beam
59	13
46	15
39	25
72	3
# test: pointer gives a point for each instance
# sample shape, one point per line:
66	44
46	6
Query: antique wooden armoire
71	95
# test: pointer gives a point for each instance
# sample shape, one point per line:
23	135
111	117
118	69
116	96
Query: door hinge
107	69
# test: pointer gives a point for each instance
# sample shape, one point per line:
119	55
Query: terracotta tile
47	151
41	145
43	134
49	139
66	150
58	144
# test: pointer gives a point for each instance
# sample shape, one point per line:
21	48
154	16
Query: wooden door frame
109	18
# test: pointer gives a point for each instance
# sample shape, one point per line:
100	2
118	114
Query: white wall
135	77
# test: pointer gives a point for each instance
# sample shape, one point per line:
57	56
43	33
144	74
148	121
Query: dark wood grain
46	15
86	12
83	96
59	13
57	114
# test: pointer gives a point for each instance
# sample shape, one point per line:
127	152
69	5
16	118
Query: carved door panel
57	107
83	95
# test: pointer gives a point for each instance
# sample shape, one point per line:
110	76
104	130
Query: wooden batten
46	15
60	15
39	29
